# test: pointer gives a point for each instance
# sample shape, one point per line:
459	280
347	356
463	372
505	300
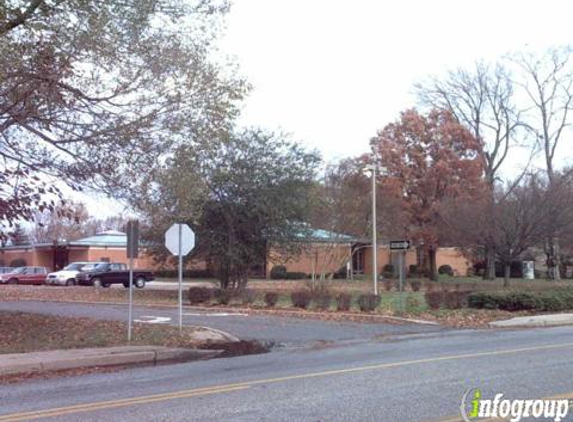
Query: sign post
401	246
180	240
132	229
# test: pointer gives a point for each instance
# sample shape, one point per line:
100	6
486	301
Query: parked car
67	275
4	270
25	275
105	274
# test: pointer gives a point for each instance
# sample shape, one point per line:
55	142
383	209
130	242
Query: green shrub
434	299
322	300
368	302
295	276
551	301
483	300
412	303
271	299
413	270
416	285
225	296
388	271
278	272
191	273
340	274
248	296
387	284
446	269
343	301
455	300
200	295
301	298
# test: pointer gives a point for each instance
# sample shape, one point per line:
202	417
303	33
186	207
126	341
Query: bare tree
65	222
526	213
548	84
483	100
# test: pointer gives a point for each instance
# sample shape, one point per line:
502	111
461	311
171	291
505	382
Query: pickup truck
105	274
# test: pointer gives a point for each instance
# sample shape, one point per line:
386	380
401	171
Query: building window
358	260
104	259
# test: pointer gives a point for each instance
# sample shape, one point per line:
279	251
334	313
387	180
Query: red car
25	275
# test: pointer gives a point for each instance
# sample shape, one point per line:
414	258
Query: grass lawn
25	332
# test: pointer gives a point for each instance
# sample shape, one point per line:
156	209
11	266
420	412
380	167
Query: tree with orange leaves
429	159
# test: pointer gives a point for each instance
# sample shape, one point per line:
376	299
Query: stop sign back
179	235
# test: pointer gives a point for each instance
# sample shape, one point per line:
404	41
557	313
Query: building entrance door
61	257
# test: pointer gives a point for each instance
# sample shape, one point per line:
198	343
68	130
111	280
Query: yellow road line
460	419
243	385
61	411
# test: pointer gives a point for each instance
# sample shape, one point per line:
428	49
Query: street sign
180	240
187	236
132	250
132	229
399	245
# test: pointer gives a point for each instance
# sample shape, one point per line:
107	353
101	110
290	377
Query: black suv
105	274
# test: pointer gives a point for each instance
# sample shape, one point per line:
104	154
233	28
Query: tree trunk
490	264
506	274
433	265
224	276
553	259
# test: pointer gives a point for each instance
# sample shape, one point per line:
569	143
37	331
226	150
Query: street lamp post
371	171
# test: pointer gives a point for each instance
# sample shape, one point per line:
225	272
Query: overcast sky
333	72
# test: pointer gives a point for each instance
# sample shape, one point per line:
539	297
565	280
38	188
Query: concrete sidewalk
57	360
536	321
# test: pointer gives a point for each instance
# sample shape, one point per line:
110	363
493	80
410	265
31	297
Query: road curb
551	320
58	360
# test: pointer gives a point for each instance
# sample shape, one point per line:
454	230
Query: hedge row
550	301
186	274
299	299
279	272
455	299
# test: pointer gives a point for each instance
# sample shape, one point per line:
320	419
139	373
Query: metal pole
130	311
180	279
401	282
374	242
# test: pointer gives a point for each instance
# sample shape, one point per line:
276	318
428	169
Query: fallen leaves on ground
27	332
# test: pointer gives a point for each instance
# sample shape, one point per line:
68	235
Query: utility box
528	269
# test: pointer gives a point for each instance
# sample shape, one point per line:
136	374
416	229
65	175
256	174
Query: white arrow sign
187	236
150	319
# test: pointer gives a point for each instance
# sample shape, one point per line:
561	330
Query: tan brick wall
78	255
119	255
449	256
322	257
11	254
454	258
44	258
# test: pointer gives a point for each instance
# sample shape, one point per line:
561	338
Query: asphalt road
403	376
282	331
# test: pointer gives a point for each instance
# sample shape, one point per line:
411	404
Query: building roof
110	238
117	239
320	235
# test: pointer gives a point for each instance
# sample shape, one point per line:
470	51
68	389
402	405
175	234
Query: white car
67	276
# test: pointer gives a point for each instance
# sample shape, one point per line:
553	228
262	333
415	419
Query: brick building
324	252
105	246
